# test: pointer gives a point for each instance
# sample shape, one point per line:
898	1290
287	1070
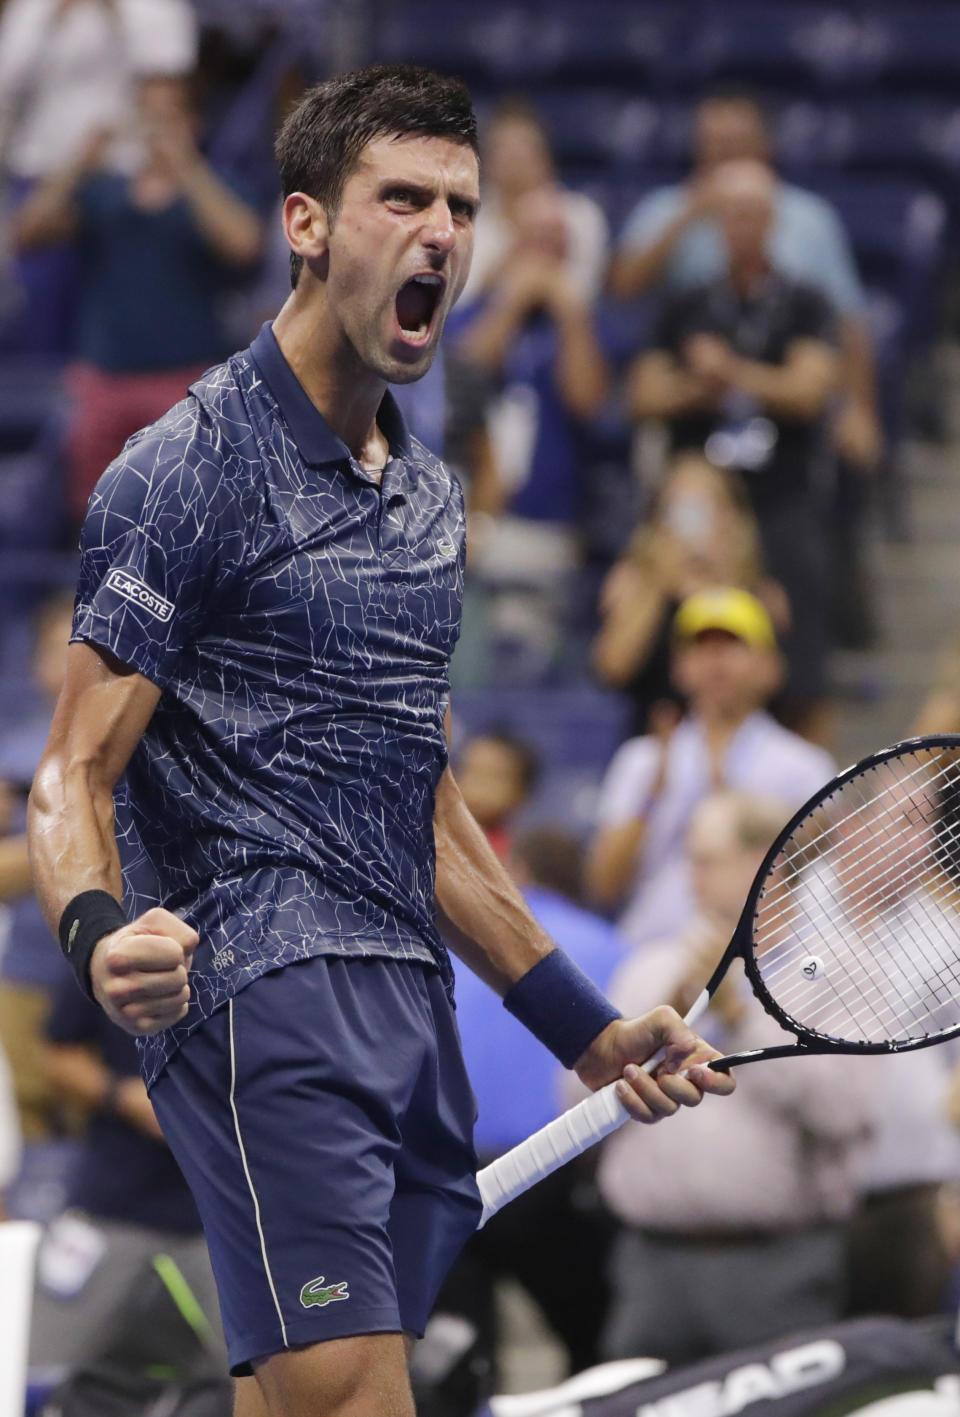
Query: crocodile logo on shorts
317	1291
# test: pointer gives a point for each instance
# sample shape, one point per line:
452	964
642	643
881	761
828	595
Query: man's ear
307	229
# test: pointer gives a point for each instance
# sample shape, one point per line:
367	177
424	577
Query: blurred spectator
726	664
497	773
31	965
672	236
898	1262
66	72
701	533
127	1205
553	1240
533	333
735	1222
897	1258
517	161
742	369
159	248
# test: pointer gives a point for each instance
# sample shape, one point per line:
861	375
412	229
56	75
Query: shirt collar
312	433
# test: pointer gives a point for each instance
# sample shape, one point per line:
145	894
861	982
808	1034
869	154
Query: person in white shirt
67	70
734	1226
727	666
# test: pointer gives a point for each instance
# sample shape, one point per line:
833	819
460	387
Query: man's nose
439	232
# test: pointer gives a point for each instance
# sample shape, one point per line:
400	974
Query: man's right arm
138	972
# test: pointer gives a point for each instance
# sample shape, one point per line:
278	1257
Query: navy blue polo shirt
299	619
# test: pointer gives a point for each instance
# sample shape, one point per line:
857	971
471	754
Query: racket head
850	935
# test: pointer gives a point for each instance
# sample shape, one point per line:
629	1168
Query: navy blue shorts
324	1121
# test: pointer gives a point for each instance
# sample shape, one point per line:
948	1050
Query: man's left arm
498	938
798	388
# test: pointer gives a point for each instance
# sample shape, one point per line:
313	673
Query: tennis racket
850	937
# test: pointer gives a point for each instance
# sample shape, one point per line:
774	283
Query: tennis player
250	751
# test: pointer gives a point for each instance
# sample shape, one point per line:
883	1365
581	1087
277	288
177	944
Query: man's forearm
496	935
231	228
613	861
581	368
783	388
635	270
49	213
488	338
73	847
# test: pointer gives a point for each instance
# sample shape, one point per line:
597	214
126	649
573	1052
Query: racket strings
857	932
858	887
936	963
811	850
895	1004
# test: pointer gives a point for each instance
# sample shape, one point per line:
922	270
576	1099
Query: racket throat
756	1055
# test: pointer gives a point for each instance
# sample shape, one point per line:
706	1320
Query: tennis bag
150	1361
875	1367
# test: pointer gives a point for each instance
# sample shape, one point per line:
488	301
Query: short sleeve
836	267
165	534
629	780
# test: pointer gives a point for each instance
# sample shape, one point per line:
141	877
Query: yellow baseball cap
736	611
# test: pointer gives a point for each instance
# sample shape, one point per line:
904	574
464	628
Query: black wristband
88	917
560	1005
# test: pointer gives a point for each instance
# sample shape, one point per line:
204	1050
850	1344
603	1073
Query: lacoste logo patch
446	548
132	588
318	1292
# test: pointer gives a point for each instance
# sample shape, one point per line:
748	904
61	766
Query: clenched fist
139	972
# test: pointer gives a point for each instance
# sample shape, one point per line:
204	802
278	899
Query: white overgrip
561	1140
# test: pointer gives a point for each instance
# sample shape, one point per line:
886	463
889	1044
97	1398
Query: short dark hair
524	754
321	140
729	91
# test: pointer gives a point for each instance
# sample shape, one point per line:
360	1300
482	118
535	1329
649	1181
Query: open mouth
417	301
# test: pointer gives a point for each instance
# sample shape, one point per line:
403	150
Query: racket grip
552	1146
561	1140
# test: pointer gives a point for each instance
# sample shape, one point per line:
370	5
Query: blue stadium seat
496	43
913	44
793	44
618	190
612	41
902	136
614	128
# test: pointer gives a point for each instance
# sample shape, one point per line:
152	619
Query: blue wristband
557	1002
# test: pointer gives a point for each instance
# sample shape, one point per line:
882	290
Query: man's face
163	105
400	249
721	673
728	130
516	158
745	220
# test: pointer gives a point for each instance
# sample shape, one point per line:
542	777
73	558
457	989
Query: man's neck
340	388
